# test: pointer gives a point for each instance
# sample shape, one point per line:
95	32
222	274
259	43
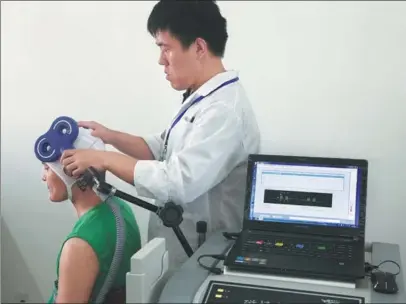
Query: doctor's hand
99	130
76	161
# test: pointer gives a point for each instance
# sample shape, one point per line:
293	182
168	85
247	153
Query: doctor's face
181	66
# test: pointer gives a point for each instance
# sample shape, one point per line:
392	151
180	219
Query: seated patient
87	252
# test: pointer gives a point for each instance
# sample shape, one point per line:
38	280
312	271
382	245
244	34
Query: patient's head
60	185
56	186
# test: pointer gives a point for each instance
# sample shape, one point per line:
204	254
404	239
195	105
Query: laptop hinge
350	237
347	237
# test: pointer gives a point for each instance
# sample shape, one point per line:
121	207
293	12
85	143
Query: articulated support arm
170	213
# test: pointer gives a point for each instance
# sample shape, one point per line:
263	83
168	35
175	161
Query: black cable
212	268
218	257
231	235
390	261
369	268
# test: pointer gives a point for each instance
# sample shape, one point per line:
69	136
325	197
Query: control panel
222	292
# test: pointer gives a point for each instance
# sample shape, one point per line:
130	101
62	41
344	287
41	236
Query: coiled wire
118	253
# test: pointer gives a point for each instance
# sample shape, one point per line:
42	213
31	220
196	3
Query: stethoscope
178	118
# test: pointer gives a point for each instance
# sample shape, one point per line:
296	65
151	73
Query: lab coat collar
210	85
186	95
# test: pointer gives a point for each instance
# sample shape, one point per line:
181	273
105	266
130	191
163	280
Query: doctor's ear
201	47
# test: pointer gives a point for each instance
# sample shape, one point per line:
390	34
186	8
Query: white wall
325	79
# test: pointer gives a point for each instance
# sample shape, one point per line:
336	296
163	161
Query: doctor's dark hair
189	20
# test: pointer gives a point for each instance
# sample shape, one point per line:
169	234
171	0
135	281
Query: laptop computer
303	216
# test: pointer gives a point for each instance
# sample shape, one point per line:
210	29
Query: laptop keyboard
290	246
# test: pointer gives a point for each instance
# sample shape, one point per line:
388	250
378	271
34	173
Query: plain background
324	78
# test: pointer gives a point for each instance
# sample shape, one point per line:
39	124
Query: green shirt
98	228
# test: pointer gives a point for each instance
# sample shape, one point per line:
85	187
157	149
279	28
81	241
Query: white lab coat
204	169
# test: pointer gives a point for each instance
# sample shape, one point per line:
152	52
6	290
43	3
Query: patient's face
56	187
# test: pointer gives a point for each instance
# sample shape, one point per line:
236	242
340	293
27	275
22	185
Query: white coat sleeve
207	158
155	143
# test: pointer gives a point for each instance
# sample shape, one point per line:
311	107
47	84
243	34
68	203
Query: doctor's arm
134	146
78	270
211	151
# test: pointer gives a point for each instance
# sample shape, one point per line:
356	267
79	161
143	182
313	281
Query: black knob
201	227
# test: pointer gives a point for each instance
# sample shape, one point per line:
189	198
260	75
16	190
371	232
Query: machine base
222	292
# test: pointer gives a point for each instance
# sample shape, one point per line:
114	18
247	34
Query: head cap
64	134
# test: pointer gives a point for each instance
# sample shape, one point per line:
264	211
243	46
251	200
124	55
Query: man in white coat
199	161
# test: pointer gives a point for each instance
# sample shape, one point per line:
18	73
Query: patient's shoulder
78	269
77	248
77	253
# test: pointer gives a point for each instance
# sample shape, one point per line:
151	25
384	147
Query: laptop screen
305	193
